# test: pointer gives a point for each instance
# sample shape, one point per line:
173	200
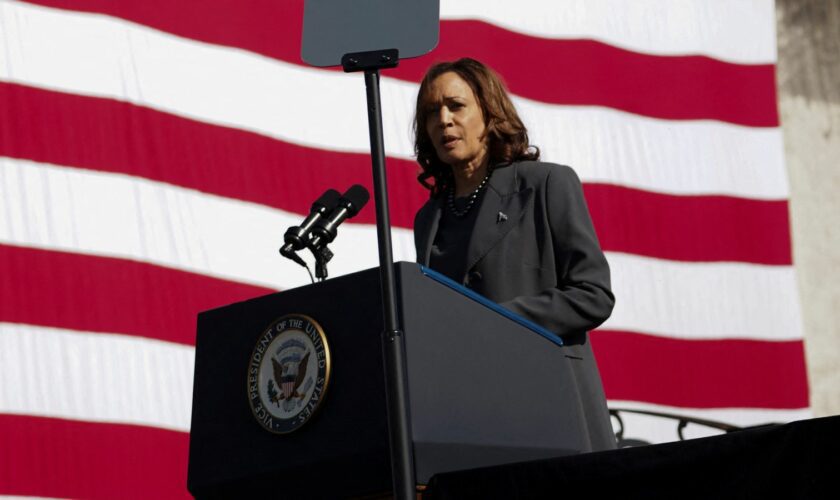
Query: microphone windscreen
358	197
328	201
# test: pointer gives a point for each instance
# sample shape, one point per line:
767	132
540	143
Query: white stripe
742	31
661	430
95	377
104	57
704	300
117	215
684	158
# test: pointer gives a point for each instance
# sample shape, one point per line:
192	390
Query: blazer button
473	277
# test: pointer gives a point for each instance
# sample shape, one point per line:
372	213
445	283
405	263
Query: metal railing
682	421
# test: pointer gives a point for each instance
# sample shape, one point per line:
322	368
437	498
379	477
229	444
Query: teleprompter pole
393	339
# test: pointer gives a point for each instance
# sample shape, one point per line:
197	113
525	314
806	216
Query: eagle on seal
289	383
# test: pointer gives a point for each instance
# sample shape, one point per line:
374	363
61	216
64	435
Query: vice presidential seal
288	373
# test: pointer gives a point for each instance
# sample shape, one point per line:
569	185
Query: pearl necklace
450	199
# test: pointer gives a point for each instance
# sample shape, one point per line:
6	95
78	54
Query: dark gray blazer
543	262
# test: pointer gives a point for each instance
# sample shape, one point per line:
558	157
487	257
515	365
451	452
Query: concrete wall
808	75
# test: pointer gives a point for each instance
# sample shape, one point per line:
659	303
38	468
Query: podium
486	387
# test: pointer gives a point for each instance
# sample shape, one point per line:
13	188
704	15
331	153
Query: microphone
295	237
348	206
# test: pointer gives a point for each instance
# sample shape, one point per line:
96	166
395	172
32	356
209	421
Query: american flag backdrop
153	152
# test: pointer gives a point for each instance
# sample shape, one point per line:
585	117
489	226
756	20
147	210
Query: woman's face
455	123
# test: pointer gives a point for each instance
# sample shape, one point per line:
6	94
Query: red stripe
102	294
112	136
586	72
720	373
112	295
49	457
690	228
578	72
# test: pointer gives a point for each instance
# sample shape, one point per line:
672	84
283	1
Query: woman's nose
444	116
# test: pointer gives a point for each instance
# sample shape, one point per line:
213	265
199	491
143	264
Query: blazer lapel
425	229
503	207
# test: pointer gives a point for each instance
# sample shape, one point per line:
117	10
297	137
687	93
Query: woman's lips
449	142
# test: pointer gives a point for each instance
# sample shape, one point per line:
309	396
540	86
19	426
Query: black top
449	250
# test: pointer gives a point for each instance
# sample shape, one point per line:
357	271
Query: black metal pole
393	340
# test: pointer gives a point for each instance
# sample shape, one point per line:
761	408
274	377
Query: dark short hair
507	137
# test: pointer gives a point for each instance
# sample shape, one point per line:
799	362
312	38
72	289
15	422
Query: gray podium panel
484	390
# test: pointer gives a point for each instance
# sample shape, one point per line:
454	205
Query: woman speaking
506	225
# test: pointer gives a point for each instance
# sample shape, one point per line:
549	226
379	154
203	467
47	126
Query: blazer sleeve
581	299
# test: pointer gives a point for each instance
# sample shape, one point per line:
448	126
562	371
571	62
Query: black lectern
486	387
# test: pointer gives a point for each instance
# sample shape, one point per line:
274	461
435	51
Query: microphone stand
393	338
